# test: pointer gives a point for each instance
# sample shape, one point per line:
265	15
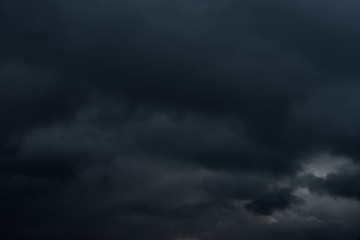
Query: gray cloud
177	119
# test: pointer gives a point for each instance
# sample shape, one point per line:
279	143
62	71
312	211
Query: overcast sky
180	119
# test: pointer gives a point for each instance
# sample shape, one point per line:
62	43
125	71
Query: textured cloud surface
179	120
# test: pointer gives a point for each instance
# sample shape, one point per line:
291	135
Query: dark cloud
32	97
177	119
276	199
337	184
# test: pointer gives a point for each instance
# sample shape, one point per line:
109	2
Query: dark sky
179	119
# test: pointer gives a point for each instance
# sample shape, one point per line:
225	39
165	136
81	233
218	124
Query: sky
179	119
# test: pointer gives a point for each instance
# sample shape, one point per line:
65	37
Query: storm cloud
174	120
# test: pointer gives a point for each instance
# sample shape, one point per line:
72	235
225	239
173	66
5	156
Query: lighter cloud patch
322	211
322	164
272	220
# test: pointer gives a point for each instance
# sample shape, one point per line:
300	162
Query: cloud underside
179	119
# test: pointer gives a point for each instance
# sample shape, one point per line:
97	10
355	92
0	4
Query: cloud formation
179	119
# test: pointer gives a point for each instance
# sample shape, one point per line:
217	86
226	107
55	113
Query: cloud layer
179	120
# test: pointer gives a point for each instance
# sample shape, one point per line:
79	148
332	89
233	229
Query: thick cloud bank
179	120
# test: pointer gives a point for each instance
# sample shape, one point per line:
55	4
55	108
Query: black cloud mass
179	120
